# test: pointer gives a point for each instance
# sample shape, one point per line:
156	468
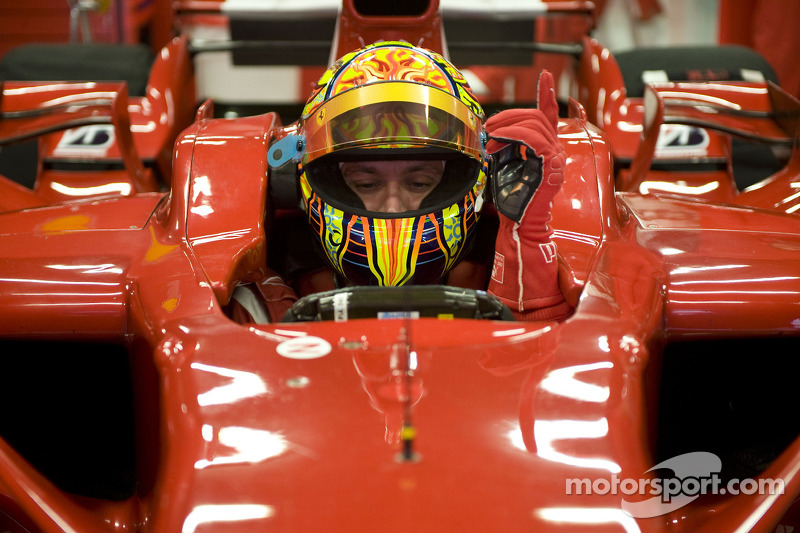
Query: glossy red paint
301	426
98	126
749	110
599	85
504	413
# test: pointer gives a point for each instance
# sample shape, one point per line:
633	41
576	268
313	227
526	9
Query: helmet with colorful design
391	100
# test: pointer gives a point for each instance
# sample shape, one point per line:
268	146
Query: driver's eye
364	186
419	185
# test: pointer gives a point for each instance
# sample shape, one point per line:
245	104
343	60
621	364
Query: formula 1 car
133	402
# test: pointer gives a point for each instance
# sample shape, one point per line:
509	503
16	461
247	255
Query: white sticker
89	141
676	141
307	347
386	315
340	306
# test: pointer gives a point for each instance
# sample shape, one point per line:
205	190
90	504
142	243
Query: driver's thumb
546	98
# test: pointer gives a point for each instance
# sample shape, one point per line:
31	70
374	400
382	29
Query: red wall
47	21
32	21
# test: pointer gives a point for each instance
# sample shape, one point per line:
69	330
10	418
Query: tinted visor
392	115
459	176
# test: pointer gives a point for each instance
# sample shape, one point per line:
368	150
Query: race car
396	408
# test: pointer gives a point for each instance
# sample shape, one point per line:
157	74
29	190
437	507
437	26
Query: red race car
133	401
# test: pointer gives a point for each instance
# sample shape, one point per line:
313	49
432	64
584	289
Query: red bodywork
599	86
96	128
299	426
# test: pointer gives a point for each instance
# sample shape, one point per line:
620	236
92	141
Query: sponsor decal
306	347
548	251
679	141
498	267
93	141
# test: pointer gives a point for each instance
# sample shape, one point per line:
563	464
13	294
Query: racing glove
527	171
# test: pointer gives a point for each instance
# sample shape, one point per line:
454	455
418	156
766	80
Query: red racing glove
527	171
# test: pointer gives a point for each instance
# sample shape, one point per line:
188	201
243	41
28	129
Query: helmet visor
393	116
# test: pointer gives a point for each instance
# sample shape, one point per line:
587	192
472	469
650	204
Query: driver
394	173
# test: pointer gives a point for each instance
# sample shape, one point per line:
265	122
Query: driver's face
392	186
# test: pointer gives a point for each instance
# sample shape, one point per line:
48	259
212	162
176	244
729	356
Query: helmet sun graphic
406	112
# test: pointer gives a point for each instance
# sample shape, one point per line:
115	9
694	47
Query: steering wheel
415	301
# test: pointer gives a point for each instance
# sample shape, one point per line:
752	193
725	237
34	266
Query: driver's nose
394	200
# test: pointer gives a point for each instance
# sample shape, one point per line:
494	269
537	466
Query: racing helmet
391	100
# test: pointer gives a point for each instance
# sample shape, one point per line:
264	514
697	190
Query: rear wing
756	111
